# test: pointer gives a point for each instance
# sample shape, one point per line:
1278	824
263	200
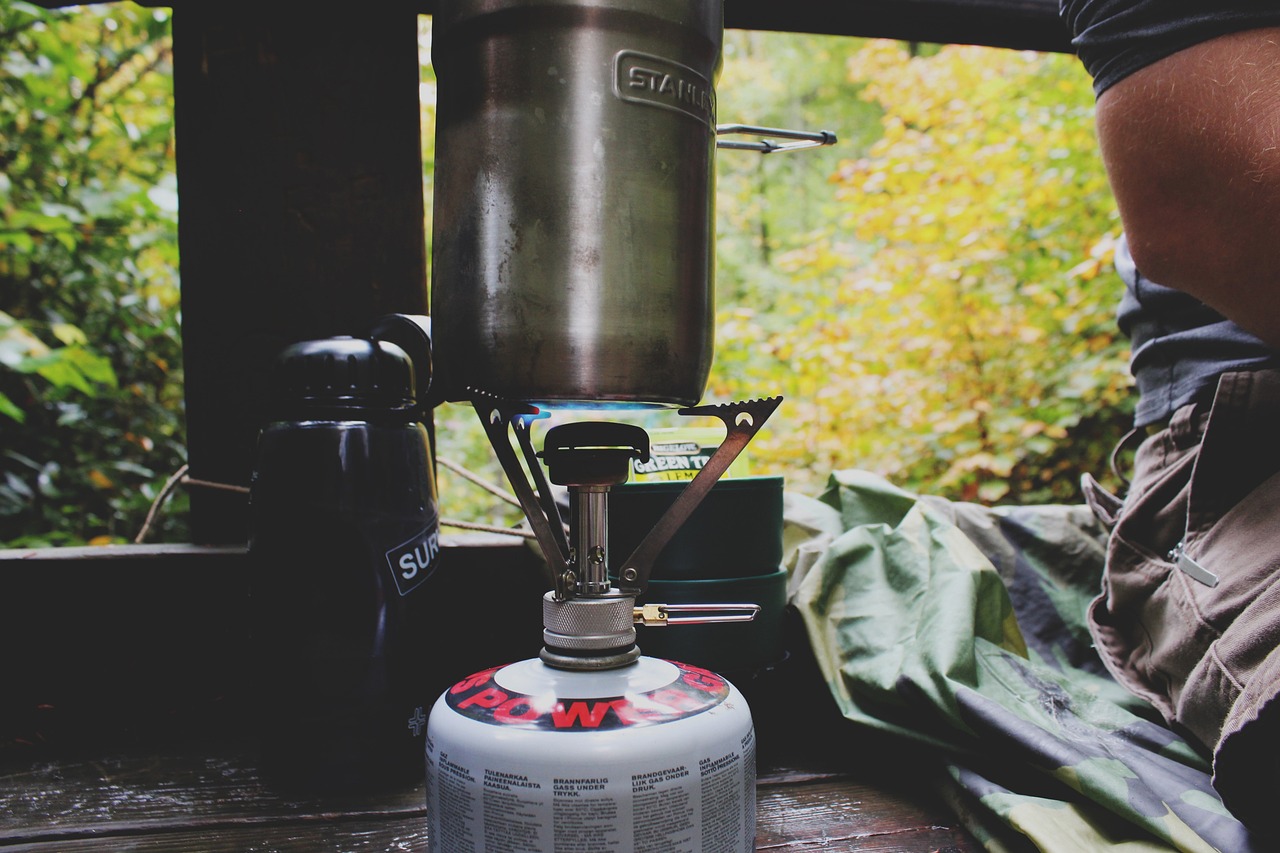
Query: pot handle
802	138
412	333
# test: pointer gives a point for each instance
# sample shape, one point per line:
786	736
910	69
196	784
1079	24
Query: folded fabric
963	627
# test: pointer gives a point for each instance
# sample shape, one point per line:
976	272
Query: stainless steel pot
573	221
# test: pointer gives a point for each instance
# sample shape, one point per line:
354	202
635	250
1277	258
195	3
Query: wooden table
122	727
207	795
823	785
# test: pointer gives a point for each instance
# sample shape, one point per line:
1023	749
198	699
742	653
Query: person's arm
1192	148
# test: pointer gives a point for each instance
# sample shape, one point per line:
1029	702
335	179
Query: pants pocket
1238	614
1182	638
1135	620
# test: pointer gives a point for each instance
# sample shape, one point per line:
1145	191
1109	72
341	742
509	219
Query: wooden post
299	164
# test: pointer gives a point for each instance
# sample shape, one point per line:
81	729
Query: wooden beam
1018	24
102	642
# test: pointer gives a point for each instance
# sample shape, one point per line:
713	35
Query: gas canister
651	757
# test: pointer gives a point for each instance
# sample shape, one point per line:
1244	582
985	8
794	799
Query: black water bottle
343	548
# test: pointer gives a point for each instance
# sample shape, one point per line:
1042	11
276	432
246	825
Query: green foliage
944	322
928	295
769	205
90	357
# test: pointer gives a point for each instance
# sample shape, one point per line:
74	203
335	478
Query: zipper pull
1178	556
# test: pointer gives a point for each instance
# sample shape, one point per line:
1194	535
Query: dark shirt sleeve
1115	38
1178	346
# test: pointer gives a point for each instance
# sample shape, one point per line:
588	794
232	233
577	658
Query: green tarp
963	627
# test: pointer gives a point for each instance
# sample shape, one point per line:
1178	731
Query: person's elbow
1192	147
1229	260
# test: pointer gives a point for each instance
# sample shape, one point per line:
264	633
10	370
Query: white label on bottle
585	817
662	810
452	816
412	562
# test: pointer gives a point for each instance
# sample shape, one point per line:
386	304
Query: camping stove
572	267
588	621
547	754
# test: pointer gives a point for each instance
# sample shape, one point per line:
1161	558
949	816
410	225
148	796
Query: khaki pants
1197	633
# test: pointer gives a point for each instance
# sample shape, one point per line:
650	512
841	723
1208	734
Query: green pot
735	532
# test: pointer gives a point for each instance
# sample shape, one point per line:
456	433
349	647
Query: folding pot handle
412	333
800	138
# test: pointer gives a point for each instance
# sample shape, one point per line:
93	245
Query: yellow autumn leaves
951	325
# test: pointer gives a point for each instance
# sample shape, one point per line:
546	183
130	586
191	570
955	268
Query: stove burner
588	622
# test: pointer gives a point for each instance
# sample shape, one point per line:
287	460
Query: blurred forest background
933	296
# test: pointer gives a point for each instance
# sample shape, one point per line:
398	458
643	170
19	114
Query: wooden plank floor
823	785
210	797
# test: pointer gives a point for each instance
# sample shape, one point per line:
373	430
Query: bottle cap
343	377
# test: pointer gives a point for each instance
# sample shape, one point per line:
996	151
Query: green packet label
679	454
